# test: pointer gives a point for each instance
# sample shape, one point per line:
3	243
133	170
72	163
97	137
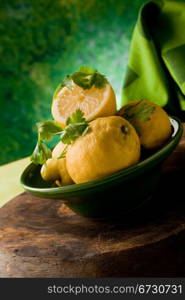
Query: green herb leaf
76	126
76	117
86	70
99	80
83	80
40	154
47	129
72	132
140	110
63	154
67	81
85	77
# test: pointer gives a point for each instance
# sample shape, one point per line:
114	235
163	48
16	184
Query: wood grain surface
43	238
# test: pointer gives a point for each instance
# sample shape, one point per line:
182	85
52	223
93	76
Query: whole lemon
110	144
49	170
55	169
150	121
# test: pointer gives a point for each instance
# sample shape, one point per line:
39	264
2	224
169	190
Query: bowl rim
131	171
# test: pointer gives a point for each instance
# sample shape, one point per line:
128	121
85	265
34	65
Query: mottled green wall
43	40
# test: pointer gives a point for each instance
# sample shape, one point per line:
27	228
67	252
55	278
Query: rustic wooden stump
42	238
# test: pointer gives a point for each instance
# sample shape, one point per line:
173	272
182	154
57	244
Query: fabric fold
156	67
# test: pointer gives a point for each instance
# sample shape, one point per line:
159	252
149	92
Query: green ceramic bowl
112	195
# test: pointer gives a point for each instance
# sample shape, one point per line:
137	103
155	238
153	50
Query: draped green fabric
156	67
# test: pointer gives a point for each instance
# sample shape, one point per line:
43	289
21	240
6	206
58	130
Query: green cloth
156	67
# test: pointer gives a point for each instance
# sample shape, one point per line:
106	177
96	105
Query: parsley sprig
85	77
41	153
76	125
140	110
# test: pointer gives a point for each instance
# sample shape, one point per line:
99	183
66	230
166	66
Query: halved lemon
94	102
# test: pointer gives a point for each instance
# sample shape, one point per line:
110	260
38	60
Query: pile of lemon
114	139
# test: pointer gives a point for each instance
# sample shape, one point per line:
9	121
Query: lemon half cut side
94	102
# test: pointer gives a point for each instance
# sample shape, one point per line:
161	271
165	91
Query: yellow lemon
110	144
55	169
94	102
49	170
150	121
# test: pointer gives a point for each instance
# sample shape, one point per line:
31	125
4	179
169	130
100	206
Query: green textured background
43	40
